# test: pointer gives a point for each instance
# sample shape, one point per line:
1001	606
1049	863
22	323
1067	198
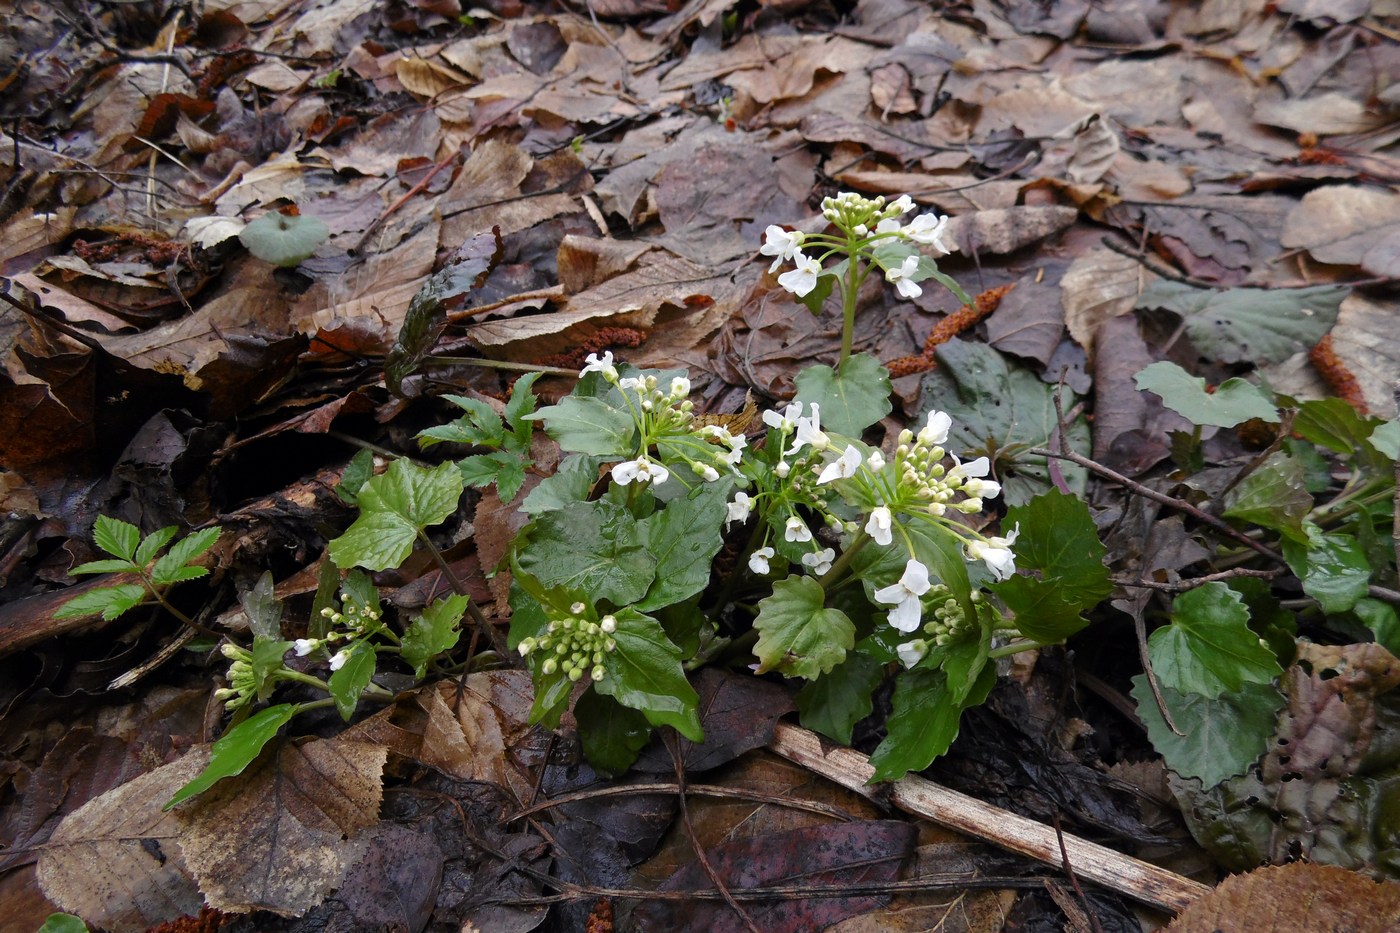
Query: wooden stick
1132	877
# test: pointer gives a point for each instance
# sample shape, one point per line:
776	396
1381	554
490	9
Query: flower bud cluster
574	644
921	474
242	684
357	619
949	622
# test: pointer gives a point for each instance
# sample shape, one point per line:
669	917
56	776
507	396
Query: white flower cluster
574	644
949	624
919	468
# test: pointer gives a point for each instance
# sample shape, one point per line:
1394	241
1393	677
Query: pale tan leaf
1038	105
116	861
1008	229
276	77
1350	225
1325	114
587	261
428	78
1292	898
890	90
1097	286
26	233
1364	338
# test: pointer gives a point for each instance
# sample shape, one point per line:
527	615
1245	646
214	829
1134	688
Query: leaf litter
1209	191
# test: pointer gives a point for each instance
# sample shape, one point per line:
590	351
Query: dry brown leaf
1099	285
1328	114
428	78
1364	338
949	192
1295	898
116	861
796	60
1350	225
1007	230
587	261
1039	105
25	233
274	838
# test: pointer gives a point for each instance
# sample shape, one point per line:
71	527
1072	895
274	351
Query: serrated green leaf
644	672
611	734
105	566
180	575
923	723
1333	568
263	608
166	570
797	634
238	748
1336	425
1209	648
284	240
267	661
684	538
358	592
592	547
151	545
852	397
434	632
1252	325
1233	402
569	485
111	601
116	537
834	703
588	426
502	467
1274	495
999	409
522	402
348	684
357	472
394	507
1058	540
63	923
1224	735
479	427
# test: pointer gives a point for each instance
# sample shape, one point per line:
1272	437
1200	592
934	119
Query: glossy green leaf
1273	495
268	654
349	683
1058	541
1249	325
117	537
1223	735
593	547
521	403
1333	568
1386	439
588	426
834	703
113	565
924	721
434	632
644	672
611	734
111	601
683	538
1209	648
284	240
815	300
502	467
570	484
63	923
394	507
1383	622
238	748
797	634
1233	402
327	585
552	692
852	397
1335	424
478	426
357	473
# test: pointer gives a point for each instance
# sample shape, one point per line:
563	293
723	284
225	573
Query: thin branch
1074	879
703	790
1181	586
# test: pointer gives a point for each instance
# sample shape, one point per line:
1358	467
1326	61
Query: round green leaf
283	240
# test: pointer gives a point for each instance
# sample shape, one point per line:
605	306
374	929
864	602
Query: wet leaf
1333	568
394	508
611	734
924	722
1233	402
590	547
1208	648
797	634
1273	495
683	538
834	703
644	672
1224	735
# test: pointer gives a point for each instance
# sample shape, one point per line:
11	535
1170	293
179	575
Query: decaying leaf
1350	225
1287	898
1099	285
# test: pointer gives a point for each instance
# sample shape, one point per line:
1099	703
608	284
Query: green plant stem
311	680
1014	648
499	364
832	576
848	304
165	604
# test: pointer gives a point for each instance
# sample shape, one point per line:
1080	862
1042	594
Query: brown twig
1074	879
702	790
1181	586
1145	658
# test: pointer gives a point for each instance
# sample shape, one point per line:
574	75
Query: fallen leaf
1350	225
1099	285
1364	340
1008	229
1293	897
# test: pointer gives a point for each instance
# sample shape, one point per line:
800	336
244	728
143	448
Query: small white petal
758	560
796	530
879	526
340	658
911	652
803	279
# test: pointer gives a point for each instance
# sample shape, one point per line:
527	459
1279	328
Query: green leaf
394	507
114	565
349	683
1336	425
1273	495
588	426
117	537
238	748
267	661
480	426
1058	540
263	608
1209	648
1224	735
552	692
834	703
797	635
815	300
357	472
500	467
611	734
358	592
151	545
1333	568
169	569
1386	439
570	484
1253	325
63	923
852	397
1383	622
593	547
434	632
111	601
998	410
684	538
924	722
522	402
1233	402
644	672
948	282
327	585
284	240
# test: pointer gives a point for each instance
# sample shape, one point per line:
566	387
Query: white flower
936	431
787	420
632	382
642	470
340	658
996	553
778	242
904	596
803	279
904	203
797	530
972	468
305	646
819	561
607	624
782	469
886	226
906	287
603	364
927	230
680	387
911	652
758	560
879	525
876	461
982	489
809	431
843	467
973	484
708	473
740	508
